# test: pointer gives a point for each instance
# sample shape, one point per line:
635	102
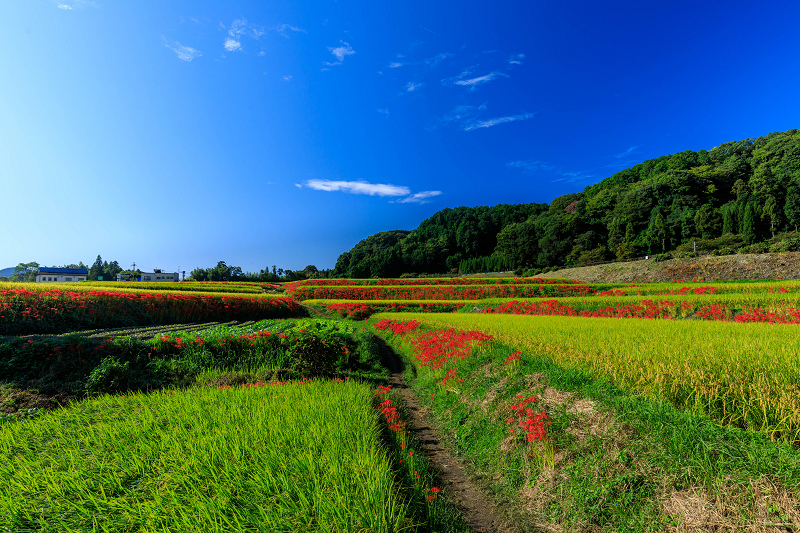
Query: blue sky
178	134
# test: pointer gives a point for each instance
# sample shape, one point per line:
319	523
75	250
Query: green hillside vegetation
741	196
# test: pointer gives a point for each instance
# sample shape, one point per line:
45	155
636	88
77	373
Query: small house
61	275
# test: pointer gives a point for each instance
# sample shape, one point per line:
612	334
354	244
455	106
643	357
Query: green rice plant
294	457
744	375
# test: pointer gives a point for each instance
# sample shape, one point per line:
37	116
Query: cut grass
300	457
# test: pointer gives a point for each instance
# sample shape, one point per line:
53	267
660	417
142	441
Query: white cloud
516	59
287	78
411	86
262	53
464	113
383	111
431	62
184	53
472	82
395	64
531	165
340	52
232	45
627	152
283	28
68	5
358	187
238	28
477	124
465	81
418	198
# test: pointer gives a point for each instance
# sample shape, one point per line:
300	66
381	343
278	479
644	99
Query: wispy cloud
626	152
432	62
478	124
383	111
358	187
395	64
534	165
184	53
283	29
531	165
464	80
340	52
68	5
232	45
464	113
516	59
418	198
412	86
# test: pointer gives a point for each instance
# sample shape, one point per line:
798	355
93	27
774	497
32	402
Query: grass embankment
729	267
611	460
72	367
299	457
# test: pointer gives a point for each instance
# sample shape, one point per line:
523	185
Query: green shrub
662	257
786	245
109	376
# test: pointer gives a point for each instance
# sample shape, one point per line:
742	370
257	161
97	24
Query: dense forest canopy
744	190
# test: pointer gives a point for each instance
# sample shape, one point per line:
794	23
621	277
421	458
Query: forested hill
737	195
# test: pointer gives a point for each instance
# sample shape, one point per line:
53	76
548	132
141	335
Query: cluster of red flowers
435	348
363	310
390	413
451	376
648	309
389	410
23	311
513	357
532	423
398	328
428	281
689	290
439	292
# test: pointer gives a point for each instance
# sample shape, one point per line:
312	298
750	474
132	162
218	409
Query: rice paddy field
578	407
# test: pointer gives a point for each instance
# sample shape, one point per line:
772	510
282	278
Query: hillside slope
708	268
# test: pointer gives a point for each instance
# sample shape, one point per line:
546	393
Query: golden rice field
745	375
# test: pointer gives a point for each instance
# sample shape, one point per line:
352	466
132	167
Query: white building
155	276
59	275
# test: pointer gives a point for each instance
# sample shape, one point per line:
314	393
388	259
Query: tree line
26	272
224	272
740	193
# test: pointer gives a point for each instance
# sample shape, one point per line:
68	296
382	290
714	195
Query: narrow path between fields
475	506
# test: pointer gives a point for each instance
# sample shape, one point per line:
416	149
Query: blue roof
48	270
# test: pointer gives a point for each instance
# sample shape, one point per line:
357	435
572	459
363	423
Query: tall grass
298	457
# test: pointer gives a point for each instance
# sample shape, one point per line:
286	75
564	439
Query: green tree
792	206
96	270
771	213
749	225
25	272
708	222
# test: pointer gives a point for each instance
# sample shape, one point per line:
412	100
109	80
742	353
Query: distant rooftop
48	270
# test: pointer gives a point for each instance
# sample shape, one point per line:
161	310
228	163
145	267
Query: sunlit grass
299	457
